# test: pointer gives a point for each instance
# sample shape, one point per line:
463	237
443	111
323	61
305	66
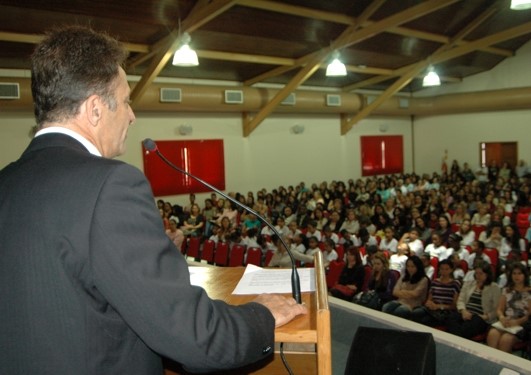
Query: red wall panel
381	155
202	158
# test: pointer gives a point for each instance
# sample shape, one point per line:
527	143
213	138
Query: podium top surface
219	282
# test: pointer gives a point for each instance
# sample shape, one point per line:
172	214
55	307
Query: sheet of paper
256	280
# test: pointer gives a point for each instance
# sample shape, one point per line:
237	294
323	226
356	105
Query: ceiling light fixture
185	56
336	68
432	78
520	4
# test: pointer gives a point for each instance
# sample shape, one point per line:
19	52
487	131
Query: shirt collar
58	129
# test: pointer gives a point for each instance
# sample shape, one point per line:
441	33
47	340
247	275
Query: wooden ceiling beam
441	56
348	37
407	15
294	10
243	57
415	69
200	15
499	37
365	33
347	124
457	40
251	123
37	38
347	20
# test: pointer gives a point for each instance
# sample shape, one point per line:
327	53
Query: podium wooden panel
307	338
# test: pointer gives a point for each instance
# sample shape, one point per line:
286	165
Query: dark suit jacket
89	282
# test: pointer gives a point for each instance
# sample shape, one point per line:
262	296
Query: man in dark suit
89	282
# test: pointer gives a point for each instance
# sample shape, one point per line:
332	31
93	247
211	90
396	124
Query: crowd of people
400	226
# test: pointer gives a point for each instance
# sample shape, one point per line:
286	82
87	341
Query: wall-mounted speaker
297	129
185	129
377	351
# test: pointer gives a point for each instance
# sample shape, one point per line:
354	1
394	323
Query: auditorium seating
237	253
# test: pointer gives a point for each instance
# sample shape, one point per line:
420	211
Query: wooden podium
307	338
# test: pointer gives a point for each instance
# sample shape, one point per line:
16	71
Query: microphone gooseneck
151	146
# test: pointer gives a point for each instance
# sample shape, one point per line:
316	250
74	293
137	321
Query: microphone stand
151	146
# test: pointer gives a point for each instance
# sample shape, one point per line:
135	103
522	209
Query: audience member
410	290
513	310
381	282
329	252
351	278
175	234
413	241
442	298
477	249
476	305
389	242
436	249
397	262
429	270
467	234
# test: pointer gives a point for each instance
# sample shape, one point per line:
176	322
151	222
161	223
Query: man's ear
94	109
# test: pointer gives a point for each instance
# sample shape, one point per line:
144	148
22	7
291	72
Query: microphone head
149	145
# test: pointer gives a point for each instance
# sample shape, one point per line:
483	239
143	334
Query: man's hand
283	309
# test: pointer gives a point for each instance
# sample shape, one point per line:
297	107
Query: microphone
151	146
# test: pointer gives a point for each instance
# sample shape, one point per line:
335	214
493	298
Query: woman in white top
482	217
460	214
389	242
467	234
413	241
329	252
436	249
397	261
492	237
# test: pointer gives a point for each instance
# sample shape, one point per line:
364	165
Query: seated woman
513	310
467	234
442	298
436	248
492	236
511	242
175	234
460	214
476	305
351	278
444	228
329	252
397	261
381	282
225	230
193	225
410	290
389	242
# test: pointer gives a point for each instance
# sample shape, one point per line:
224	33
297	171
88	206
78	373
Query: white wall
461	134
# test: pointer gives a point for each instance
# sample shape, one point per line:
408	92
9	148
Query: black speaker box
377	351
